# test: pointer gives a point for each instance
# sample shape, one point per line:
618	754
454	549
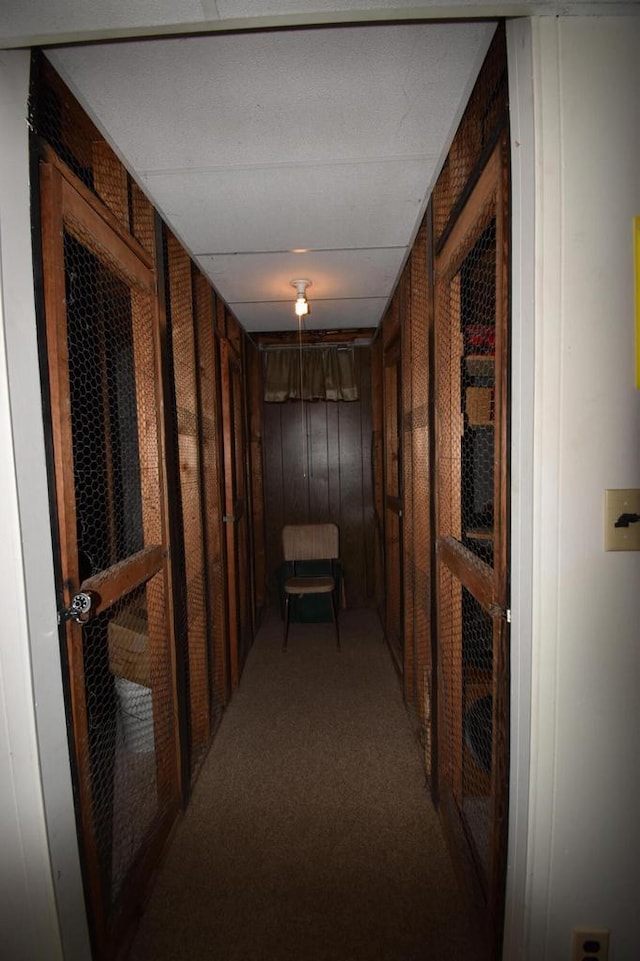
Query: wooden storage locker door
239	587
104	375
471	326
393	493
416	332
212	482
180	311
377	470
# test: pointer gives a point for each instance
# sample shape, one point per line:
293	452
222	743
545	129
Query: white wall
41	901
583	859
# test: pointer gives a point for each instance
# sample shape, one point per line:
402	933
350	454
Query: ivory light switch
622	507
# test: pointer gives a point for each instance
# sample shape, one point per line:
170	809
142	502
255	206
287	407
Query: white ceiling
257	144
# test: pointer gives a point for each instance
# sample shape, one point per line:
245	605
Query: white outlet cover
582	937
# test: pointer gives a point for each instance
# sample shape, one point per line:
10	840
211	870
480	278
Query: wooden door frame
490	586
212	481
228	357
66	202
187	398
393	502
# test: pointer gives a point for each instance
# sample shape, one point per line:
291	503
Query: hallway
310	834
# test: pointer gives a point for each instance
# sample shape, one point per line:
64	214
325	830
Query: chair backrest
310	542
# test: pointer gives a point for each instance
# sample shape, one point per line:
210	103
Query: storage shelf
480	534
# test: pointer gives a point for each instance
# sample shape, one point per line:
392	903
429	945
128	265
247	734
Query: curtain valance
327	373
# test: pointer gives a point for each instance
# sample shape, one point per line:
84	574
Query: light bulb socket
302	304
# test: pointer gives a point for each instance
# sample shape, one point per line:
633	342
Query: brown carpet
310	835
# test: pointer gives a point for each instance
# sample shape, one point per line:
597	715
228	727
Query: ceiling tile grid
285	208
253	145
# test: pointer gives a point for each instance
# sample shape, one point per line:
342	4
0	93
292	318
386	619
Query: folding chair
310	542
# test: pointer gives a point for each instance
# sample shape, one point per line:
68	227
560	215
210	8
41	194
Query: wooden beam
467	567
116	582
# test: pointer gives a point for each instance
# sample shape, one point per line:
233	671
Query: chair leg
334	614
287	598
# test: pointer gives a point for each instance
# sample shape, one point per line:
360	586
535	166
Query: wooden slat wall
402	421
471	190
180	326
377	470
335	484
418	505
392	426
212	481
189	449
254	402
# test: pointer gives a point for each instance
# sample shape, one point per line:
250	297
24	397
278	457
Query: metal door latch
78	610
495	610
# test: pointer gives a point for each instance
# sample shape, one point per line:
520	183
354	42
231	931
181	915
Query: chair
310	542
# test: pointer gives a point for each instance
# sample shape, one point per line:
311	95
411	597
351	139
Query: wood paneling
187	402
317	460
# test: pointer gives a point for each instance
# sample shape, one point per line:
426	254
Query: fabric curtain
327	373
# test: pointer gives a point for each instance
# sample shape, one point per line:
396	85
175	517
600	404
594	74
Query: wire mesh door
393	549
240	604
471	473
102	358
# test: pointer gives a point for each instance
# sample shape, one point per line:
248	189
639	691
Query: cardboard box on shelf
479	405
128	642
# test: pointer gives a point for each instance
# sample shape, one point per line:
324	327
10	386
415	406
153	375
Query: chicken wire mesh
195	614
466	393
477	726
483	117
125	648
465	401
122	736
212	483
103	410
418	363
478	327
466	711
59	121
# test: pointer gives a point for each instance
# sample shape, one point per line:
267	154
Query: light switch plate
617	503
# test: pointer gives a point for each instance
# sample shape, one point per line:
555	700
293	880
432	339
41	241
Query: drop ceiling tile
327	315
333	274
294	96
255	144
283	208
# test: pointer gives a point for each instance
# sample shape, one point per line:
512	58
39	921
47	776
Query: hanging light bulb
302	304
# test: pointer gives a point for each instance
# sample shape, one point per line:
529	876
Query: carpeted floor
310	835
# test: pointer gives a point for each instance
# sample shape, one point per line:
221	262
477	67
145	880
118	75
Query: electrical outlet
590	944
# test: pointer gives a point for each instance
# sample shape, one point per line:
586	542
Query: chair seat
309	585
304	544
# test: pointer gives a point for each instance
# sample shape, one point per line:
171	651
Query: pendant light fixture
302	304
